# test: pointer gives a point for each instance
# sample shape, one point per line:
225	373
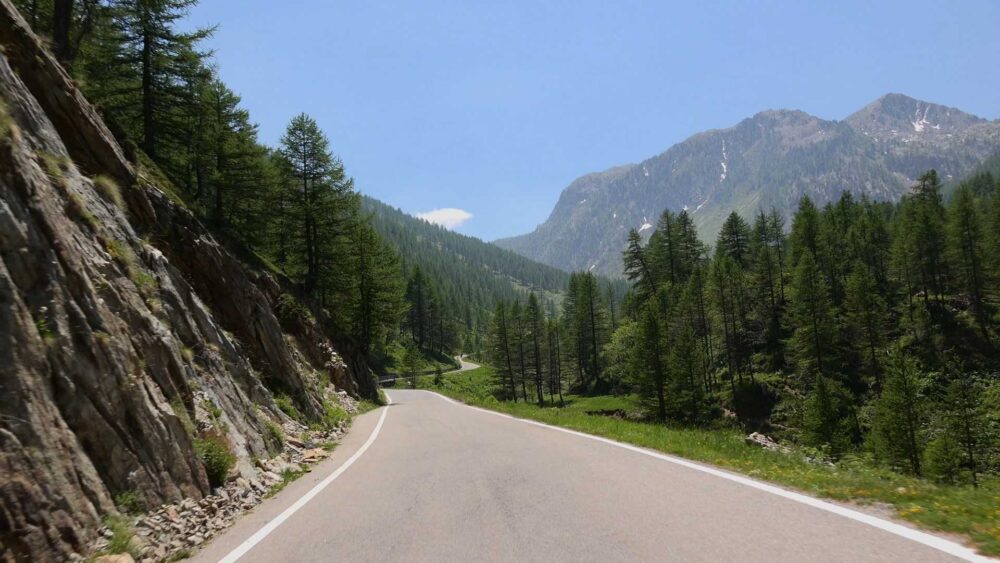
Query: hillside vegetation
866	336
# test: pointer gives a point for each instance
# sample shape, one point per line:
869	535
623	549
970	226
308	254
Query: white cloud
447	217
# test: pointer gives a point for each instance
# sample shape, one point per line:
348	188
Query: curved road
464	364
429	479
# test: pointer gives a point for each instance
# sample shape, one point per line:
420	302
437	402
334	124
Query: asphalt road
465	366
440	481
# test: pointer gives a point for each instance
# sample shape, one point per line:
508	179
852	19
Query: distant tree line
463	276
869	327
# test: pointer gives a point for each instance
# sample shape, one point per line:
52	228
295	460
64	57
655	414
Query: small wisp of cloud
447	217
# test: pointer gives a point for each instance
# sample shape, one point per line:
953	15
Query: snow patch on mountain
921	120
725	160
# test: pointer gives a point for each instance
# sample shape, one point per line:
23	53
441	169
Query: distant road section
446	482
465	366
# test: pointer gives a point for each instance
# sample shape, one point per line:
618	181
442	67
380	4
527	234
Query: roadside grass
971	512
287	476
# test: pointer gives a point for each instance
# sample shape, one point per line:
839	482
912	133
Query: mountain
769	160
471	275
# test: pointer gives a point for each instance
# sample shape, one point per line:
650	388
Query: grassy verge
973	513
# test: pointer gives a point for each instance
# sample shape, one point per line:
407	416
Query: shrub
333	415
942	459
213	451
129	502
274	434
213	410
109	190
6	123
287	406
122	536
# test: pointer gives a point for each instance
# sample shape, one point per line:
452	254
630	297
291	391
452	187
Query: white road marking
924	538
273	524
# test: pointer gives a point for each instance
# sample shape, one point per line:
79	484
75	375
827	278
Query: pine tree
519	337
535	322
418	318
776	239
555	379
966	238
964	419
805	231
323	205
413	362
767	294
637	267
650	354
371	295
731	303
691	251
866	314
822	421
811	316
898	416
993	238
685	386
502	354
139	70
664	249
928	234
734	240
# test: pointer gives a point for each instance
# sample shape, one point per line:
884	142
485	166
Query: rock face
126	330
769	160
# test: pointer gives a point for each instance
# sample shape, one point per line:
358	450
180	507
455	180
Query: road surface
465	365
429	479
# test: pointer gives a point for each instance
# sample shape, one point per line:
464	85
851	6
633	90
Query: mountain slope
770	159
471	275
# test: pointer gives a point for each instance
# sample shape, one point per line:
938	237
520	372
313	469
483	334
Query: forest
292	208
463	276
865	329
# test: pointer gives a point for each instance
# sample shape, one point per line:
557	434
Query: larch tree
866	314
967	245
811	315
898	416
535	321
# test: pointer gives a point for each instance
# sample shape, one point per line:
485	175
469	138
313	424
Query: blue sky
494	107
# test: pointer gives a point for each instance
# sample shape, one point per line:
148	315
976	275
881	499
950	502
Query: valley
774	341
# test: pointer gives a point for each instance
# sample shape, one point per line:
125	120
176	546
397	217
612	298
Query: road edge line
930	540
262	533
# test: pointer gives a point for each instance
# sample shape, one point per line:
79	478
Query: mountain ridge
772	158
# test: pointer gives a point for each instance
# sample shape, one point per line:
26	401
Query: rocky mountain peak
900	116
768	160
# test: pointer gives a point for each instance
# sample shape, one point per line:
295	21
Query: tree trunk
62	21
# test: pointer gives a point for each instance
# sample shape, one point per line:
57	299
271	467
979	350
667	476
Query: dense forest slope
769	160
472	276
130	338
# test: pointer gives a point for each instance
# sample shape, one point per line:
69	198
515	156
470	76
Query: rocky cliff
128	333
